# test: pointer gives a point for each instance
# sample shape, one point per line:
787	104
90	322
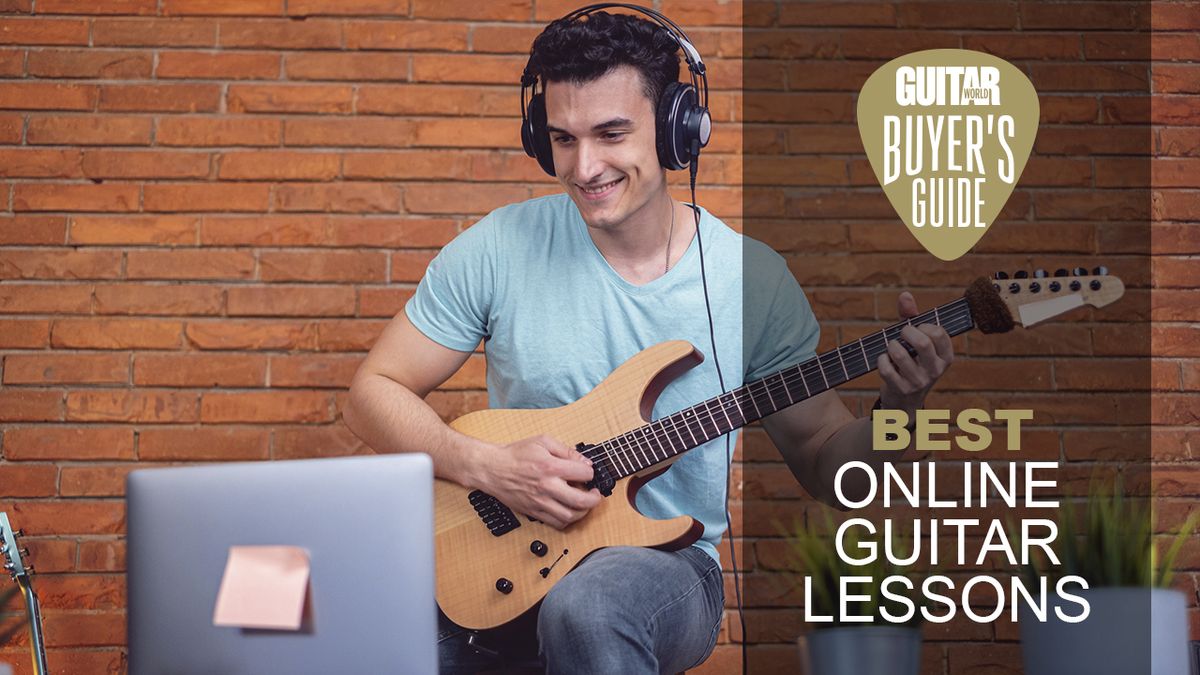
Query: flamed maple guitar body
467	586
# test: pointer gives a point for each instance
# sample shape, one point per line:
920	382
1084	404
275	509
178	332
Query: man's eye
614	135
561	140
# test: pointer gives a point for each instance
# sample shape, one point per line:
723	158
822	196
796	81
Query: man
565	288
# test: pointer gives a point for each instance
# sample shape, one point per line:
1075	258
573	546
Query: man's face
602	133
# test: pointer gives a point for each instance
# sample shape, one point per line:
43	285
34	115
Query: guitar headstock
1035	298
12	552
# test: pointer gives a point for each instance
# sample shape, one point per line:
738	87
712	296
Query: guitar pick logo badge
948	133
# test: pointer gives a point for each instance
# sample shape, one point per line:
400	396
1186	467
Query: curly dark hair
586	48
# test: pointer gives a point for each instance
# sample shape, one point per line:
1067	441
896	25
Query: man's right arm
387	410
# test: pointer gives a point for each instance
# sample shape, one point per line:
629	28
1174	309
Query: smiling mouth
599	190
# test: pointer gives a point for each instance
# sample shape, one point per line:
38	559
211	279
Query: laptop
366	524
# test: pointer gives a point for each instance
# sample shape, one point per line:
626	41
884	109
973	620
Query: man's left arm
818	436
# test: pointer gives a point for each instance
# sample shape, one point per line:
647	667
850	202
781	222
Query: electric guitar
494	564
20	574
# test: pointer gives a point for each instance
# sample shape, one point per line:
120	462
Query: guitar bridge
495	515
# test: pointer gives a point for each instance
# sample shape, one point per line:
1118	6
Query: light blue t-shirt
557	319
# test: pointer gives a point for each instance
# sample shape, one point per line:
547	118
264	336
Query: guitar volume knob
538	548
504	585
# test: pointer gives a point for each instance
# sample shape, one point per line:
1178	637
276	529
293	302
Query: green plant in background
813	552
1115	546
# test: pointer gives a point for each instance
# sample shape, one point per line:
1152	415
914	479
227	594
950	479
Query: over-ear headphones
682	124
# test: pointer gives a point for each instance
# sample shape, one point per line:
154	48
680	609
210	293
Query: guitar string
956	316
695	423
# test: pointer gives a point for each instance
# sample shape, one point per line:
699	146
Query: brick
204	444
30	405
305	442
218	66
1176	78
115	334
397	8
1137	110
144	164
154	32
1175	272
1026	46
157	299
472	375
94	481
1088	77
1174	204
190	264
47	197
39	163
453	132
712	14
502	39
225	131
1175	47
338	197
24	333
101	556
88	130
348	66
1117	46
1068	109
66	368
17	6
410	265
84	630
12	63
1078	16
314	370
80	591
47	96
445	198
333	266
291	301
353	336
83	516
390	232
70	443
1175	16
498	10
11	128
133	229
419	164
132	405
137	7
161	97
279	165
252	335
32	480
467	68
269	406
873	44
983	15
836	14
1098	205
1064	140
1174	305
348	132
271	230
382	302
281	34
222	7
1179	142
90	63
51	555
30	31
313	98
429	99
200	370
206	197
45	298
1175	172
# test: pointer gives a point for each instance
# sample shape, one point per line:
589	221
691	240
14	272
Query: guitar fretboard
669	436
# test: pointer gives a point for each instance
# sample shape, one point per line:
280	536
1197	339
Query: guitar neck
663	439
37	646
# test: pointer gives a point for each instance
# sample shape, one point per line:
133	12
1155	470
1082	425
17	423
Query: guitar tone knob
504	586
538	548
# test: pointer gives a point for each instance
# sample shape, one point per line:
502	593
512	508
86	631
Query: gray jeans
623	610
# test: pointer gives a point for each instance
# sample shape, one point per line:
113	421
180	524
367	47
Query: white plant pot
862	650
1129	630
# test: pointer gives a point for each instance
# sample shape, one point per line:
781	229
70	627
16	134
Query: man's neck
638	249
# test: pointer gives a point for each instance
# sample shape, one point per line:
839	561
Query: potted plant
877	647
1136	622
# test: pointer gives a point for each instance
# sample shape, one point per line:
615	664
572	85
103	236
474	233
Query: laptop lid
366	523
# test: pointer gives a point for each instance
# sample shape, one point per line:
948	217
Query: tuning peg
25	552
29	569
1080	272
1061	272
1020	274
1039	273
1100	271
1001	275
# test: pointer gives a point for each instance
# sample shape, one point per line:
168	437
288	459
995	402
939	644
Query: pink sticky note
263	587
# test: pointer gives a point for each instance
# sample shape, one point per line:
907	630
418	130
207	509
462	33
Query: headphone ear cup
679	120
534	137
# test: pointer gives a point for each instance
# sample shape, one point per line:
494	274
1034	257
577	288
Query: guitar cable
737	583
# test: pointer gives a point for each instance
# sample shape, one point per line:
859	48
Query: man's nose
589	161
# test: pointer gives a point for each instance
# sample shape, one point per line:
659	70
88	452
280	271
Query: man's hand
534	476
906	380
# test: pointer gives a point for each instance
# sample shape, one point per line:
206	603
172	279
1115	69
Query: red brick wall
209	210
